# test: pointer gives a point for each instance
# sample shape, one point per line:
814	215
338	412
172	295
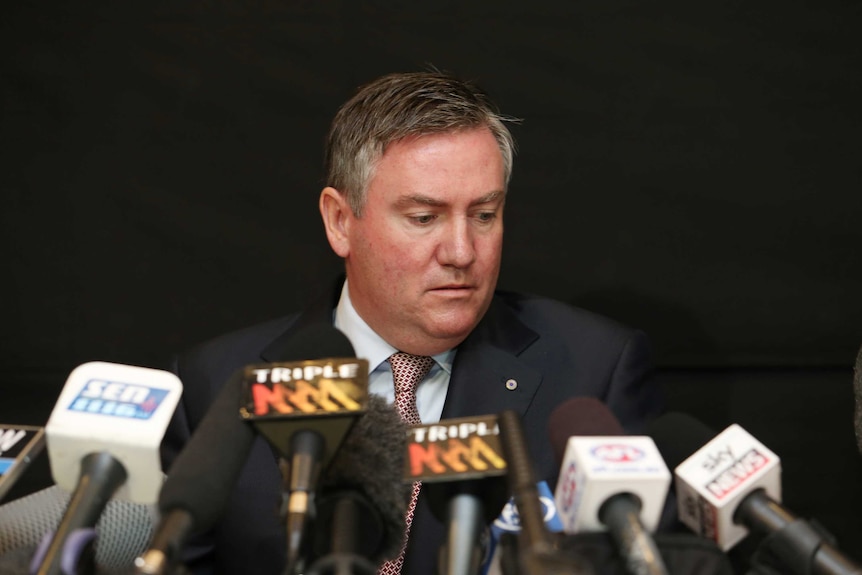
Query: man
417	171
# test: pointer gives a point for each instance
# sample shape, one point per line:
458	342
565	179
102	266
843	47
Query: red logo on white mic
569	487
617	453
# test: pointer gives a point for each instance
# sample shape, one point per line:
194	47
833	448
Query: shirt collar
367	343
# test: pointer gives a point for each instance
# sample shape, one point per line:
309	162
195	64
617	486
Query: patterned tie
407	371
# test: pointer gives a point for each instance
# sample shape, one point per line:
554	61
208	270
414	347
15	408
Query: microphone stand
344	558
793	541
536	550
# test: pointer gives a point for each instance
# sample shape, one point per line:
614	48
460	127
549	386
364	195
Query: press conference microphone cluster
729	484
201	479
103	439
609	481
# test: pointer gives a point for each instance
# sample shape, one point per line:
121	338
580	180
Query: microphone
505	528
608	480
103	439
19	446
461	467
857	394
535	552
192	498
362	496
732	485
305	409
124	528
200	479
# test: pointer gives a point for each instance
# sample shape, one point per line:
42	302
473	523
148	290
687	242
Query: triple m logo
118	399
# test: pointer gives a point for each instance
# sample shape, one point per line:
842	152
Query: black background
692	169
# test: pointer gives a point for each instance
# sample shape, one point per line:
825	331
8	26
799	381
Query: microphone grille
124	529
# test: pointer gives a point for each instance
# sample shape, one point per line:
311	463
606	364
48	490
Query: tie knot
408	370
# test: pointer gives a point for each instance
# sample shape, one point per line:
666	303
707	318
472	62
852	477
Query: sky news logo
737	474
118	399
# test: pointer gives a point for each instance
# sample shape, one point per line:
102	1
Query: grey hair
397	106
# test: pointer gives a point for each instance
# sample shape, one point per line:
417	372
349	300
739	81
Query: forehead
469	159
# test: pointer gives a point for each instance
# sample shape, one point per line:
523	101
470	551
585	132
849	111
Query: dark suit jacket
553	352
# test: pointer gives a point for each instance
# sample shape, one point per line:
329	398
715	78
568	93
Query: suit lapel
488	376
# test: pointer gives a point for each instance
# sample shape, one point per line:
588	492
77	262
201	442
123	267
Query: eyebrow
428	201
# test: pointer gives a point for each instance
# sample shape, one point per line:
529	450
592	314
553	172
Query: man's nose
456	246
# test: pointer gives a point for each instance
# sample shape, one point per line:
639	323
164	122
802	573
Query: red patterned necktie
407	371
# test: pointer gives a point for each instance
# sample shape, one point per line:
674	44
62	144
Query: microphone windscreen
370	461
17	561
204	473
678	436
124	528
579	417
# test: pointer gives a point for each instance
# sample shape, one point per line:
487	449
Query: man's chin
452	332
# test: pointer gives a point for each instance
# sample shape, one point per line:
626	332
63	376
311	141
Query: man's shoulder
258	334
544	314
235	348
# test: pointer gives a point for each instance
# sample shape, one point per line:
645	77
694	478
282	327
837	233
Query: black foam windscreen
579	416
369	466
204	473
124	528
678	435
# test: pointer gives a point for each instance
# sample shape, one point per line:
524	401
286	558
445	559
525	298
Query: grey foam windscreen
124	529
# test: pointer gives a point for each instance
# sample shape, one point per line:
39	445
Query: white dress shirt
430	393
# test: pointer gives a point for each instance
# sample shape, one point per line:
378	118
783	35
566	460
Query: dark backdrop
689	168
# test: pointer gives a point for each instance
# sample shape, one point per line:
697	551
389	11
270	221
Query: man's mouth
453	288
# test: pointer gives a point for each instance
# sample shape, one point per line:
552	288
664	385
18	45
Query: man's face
423	259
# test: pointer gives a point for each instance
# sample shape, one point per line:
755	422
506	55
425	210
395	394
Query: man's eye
423	219
486	216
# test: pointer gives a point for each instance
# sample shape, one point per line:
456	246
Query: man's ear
336	214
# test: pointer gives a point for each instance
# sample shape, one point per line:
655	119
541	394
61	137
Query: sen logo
118	399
